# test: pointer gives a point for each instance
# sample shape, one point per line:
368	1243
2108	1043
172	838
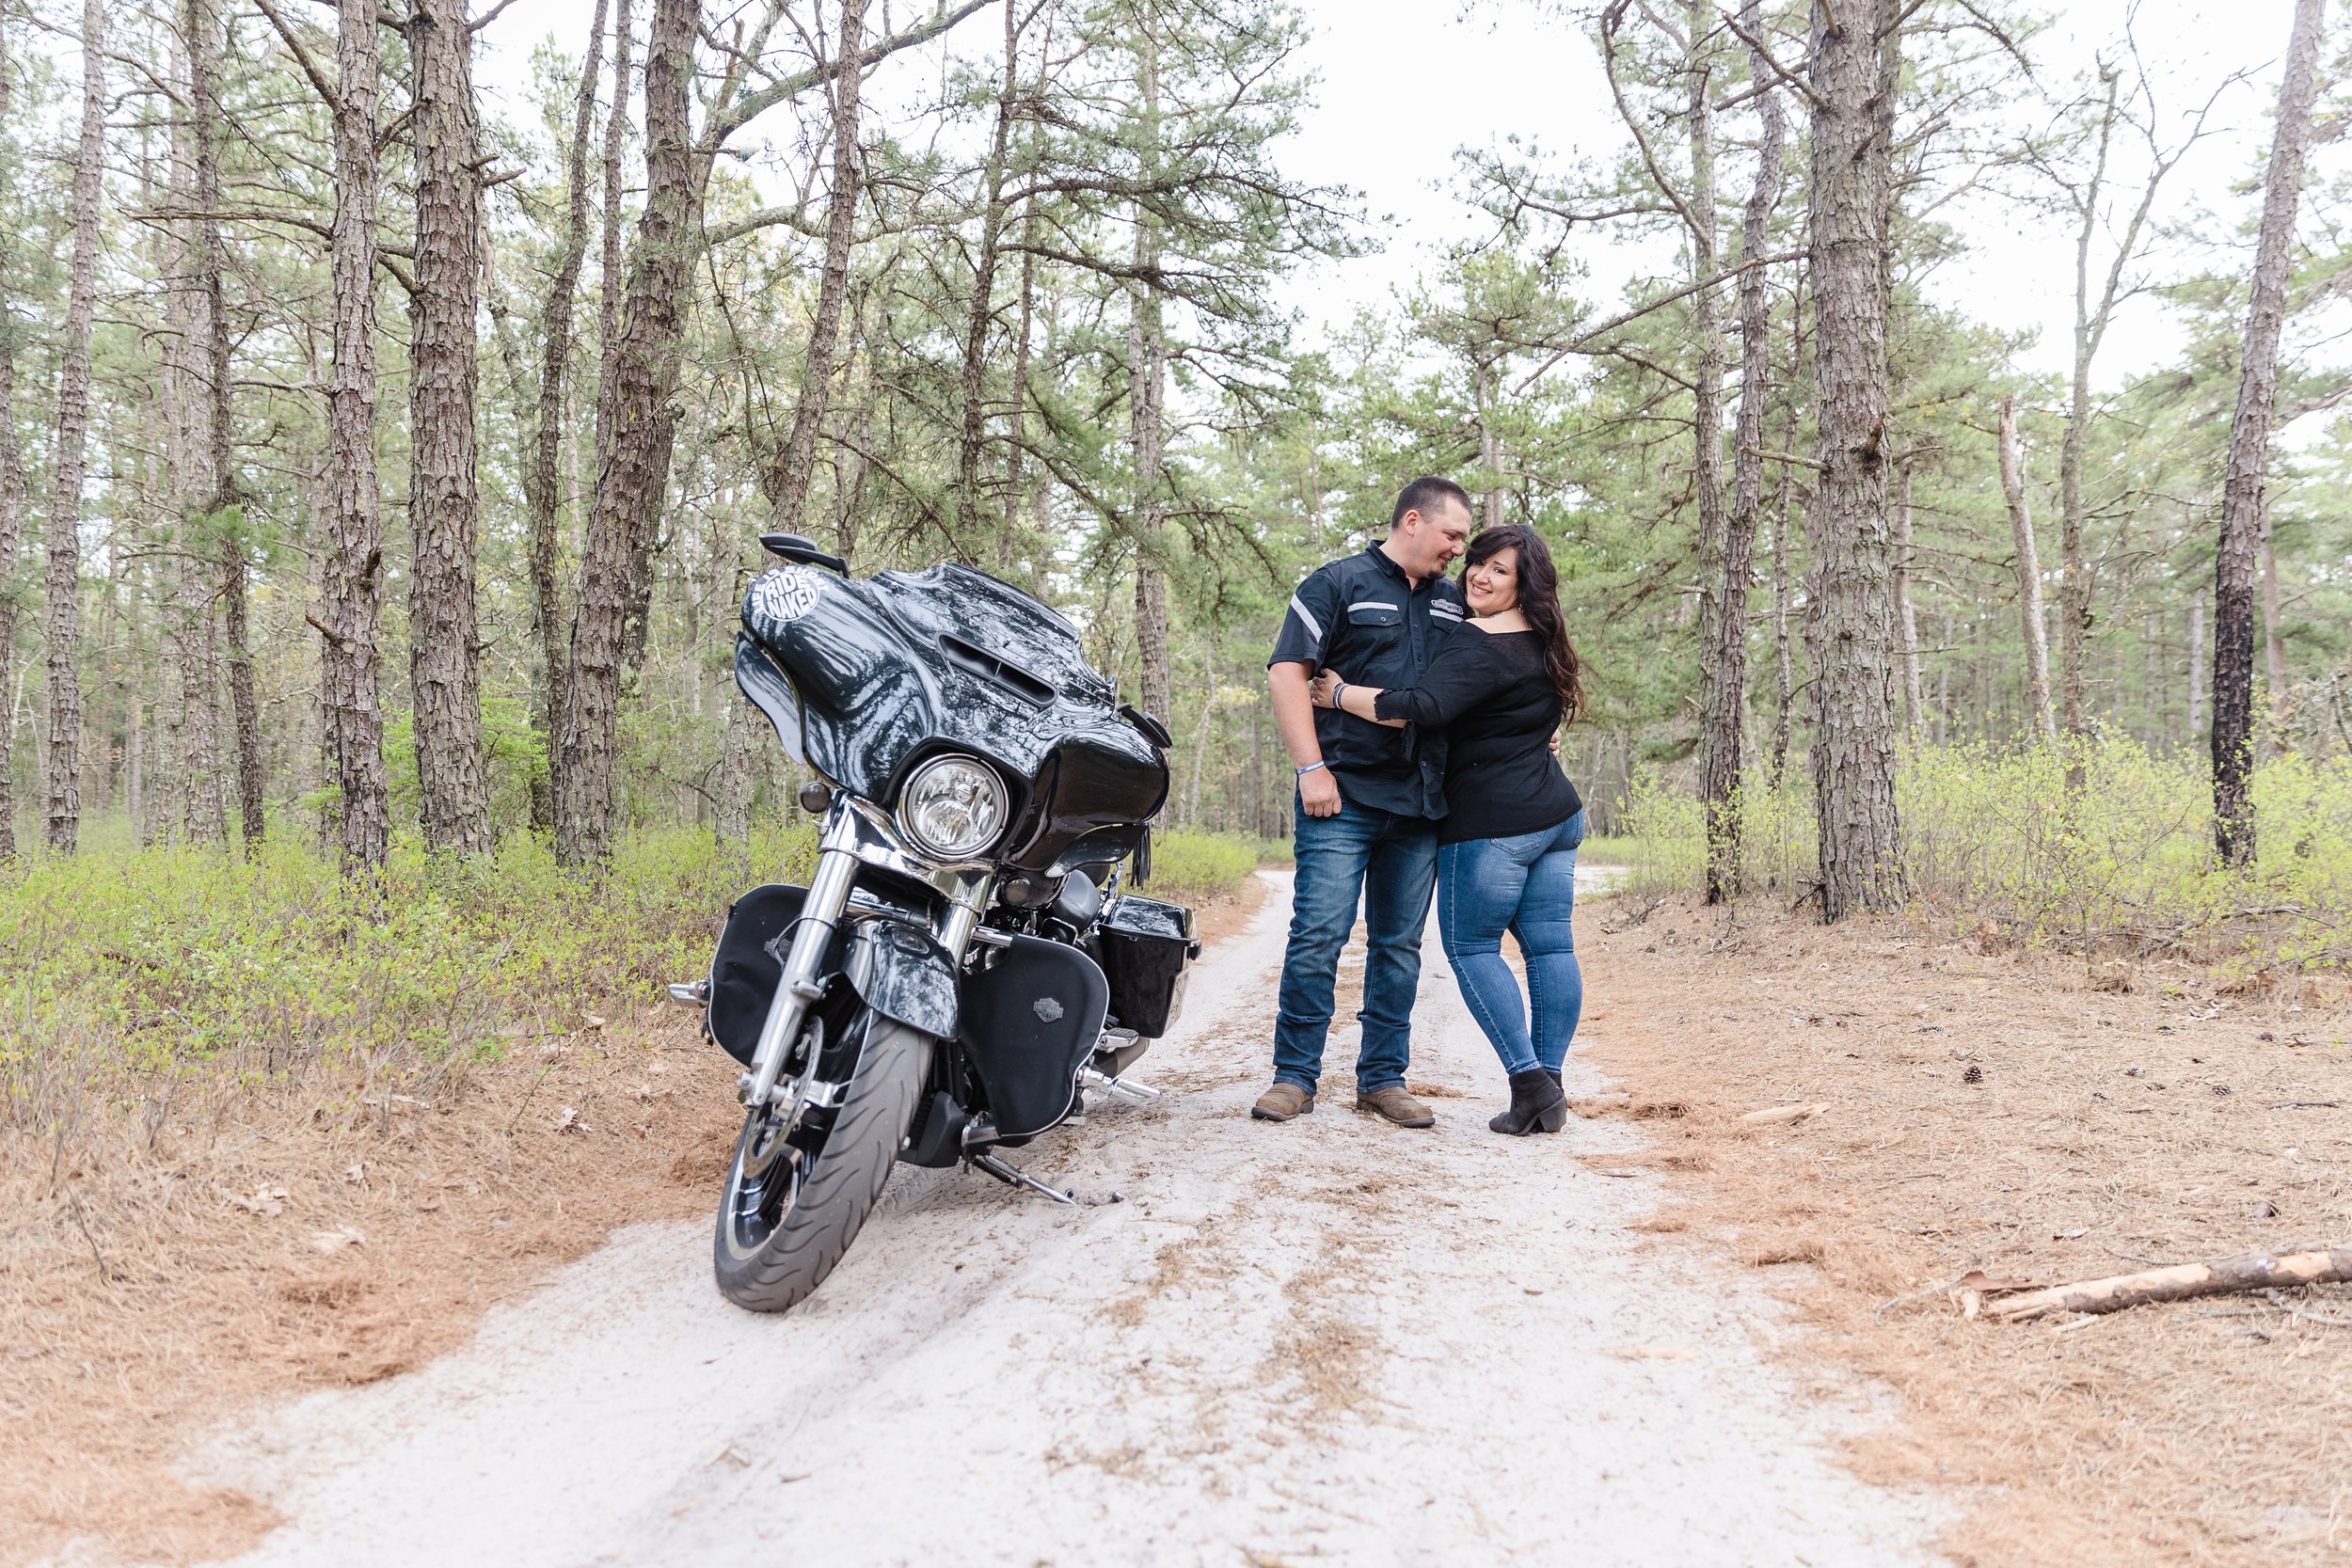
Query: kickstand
1013	1176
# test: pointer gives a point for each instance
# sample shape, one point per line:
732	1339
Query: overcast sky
1402	83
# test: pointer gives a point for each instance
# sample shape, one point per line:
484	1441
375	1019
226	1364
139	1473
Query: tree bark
1850	624
1721	741
632	445
542	487
445	657
1915	710
2242	490
1147	372
12	479
796	464
350	658
2045	724
63	602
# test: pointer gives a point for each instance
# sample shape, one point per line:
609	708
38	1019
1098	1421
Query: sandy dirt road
1326	1342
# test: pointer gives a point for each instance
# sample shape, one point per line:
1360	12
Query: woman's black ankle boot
1537	1104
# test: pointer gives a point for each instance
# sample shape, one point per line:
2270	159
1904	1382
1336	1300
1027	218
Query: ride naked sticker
787	595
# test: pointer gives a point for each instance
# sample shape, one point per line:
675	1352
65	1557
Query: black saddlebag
1030	1020
1146	946
745	970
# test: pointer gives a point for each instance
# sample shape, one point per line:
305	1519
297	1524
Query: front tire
783	1224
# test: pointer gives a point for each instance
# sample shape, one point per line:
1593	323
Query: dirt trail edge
1329	1340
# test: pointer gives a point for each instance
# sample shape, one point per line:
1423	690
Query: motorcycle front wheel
797	1194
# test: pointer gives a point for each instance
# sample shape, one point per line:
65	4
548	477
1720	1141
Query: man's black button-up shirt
1364	618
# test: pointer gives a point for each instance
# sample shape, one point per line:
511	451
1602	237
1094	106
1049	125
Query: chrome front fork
803	967
853	834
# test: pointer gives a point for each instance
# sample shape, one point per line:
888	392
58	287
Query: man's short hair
1424	494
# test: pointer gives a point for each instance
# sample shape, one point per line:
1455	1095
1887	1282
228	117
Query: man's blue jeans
1525	885
1390	862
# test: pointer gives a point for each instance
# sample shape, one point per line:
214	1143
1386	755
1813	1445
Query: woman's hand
1321	688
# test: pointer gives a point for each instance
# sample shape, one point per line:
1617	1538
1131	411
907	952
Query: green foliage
160	959
1991	832
1189	867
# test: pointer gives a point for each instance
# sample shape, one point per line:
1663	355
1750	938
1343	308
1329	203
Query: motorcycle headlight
952	808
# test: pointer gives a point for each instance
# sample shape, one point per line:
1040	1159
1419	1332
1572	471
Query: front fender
905	975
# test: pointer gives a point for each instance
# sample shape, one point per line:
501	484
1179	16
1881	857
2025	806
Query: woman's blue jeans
1526	885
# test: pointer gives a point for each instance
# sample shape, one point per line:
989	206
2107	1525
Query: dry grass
1997	1109
161	1274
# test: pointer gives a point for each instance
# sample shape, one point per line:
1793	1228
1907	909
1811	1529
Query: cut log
2255	1271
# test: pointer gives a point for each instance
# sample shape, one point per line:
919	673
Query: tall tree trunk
1721	740
12	471
445	656
350	657
2030	622
632	445
1492	500
2196	664
197	808
981	310
1706	428
542	487
1907	619
1849	627
222	529
610	284
1016	439
63	605
796	464
1146	372
2242	490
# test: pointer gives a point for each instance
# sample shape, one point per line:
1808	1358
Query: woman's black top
1493	694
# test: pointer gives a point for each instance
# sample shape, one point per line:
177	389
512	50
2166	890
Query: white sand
1330	1341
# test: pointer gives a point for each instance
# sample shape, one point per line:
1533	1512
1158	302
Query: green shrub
1187	867
1991	832
149	959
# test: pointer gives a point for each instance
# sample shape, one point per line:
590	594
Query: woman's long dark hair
1539	601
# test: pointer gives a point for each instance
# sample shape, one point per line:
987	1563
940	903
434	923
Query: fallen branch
2254	1270
1775	1114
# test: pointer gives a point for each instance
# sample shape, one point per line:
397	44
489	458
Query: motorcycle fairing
1030	1020
903	974
882	669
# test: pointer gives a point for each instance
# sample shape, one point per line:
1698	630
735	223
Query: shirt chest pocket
1375	619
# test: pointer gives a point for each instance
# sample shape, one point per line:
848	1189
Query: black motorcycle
965	964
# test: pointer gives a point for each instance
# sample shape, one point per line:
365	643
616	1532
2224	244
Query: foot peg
1013	1176
1143	1094
693	993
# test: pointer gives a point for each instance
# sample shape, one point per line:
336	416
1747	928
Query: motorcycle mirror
1154	731
794	547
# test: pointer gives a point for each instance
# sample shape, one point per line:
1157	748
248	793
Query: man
1369	798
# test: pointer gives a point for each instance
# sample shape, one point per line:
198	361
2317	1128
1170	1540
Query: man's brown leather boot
1397	1105
1281	1102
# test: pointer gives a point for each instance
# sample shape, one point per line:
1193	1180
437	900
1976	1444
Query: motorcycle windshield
902	663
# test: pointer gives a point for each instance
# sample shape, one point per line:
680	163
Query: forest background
388	454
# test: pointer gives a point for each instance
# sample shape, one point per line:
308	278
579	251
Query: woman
1501	688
